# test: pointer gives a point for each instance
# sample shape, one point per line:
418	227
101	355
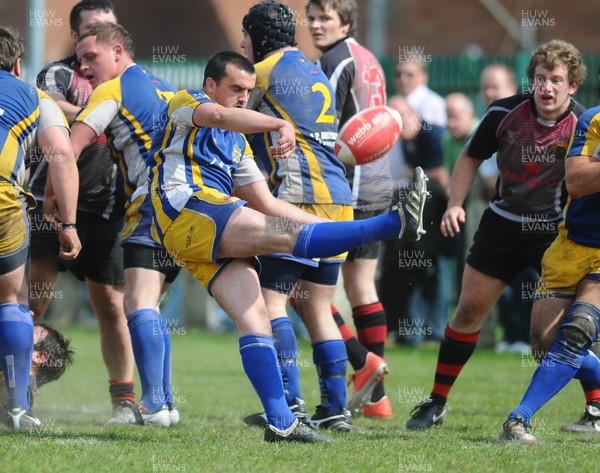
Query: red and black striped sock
121	391
592	393
371	326
357	354
455	350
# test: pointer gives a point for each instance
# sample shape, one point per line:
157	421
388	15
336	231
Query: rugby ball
368	135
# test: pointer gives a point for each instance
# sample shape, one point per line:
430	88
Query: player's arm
195	109
582	166
53	140
582	175
69	110
247	121
81	136
461	181
259	198
250	185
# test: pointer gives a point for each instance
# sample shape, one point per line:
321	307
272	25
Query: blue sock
147	338
554	373
16	346
286	347
589	371
260	364
167	389
319	240
331	359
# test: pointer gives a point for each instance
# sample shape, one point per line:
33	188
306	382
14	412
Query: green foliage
214	395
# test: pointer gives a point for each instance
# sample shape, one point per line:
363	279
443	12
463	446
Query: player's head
411	121
461	115
497	81
555	71
408	75
52	354
87	12
12	50
330	21
228	79
267	27
104	52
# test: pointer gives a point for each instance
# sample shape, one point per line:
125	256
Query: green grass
213	395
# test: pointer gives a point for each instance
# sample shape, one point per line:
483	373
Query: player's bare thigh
251	233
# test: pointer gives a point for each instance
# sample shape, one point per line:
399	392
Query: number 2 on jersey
323	117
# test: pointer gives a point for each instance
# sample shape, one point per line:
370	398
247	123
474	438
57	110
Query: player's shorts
281	275
139	225
101	256
502	248
194	237
14	229
157	259
565	265
368	250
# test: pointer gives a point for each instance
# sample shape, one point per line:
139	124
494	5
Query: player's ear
117	51
210	85
18	68
74	36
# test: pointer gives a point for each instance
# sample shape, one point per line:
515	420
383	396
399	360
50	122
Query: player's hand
70	246
50	209
451	221
286	144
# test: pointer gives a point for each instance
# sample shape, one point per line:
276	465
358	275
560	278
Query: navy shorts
101	256
502	248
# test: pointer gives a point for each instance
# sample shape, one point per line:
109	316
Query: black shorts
101	256
502	248
157	259
14	261
281	275
369	250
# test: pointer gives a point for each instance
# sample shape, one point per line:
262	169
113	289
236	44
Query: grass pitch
213	396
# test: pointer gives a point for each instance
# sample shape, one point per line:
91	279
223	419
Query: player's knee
580	328
539	345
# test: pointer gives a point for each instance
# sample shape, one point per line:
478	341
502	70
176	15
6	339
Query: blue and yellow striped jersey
21	118
128	109
291	87
189	159
582	219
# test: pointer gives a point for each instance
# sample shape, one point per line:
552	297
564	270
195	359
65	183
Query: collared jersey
189	159
25	111
98	193
582	219
291	87
530	154
359	82
128	108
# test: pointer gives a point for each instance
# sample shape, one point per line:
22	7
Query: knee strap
580	327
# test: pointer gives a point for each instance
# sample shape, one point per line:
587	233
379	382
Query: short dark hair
346	9
110	34
217	65
75	19
12	47
57	352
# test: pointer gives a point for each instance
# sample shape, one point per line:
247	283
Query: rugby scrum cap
270	26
